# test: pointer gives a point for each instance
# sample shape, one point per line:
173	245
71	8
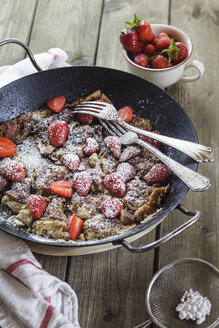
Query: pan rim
140	227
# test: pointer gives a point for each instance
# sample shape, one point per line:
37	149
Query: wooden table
111	285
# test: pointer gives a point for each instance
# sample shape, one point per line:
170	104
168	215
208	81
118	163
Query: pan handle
196	216
25	47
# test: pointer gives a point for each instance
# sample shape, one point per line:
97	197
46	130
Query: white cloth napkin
55	57
29	296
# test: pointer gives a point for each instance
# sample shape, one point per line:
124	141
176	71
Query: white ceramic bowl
168	76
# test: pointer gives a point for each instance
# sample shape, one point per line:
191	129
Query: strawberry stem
136	22
172	51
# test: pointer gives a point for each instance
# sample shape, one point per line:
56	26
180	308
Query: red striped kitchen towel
29	296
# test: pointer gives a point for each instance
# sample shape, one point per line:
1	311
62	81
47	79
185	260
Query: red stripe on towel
15	265
46	319
47	299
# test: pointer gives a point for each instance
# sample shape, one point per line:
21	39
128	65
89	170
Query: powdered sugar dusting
30	155
111	207
126	170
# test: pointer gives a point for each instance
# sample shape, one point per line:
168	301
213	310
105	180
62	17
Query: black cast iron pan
147	100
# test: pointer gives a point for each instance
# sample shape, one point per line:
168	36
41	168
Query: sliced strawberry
126	113
12	171
129	152
126	171
115	184
159	173
86	119
7	147
71	161
149	49
91	146
56	104
37	206
61	188
82	183
163	42
159	62
111	207
114	145
141	60
58	132
153	142
75	226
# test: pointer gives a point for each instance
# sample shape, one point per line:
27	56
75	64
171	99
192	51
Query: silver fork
192	179
105	111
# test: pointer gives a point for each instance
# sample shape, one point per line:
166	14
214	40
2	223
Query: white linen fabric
29	296
54	58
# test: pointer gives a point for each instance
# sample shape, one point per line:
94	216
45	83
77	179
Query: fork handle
196	151
192	179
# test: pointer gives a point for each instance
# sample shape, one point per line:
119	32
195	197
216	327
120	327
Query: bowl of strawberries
158	53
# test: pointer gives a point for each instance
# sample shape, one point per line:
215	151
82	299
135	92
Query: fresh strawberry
159	62
71	161
82	183
141	60
37	206
58	132
114	145
126	113
85	119
139	48
154	41
56	104
144	32
115	184
130	41
183	53
7	147
172	51
126	171
122	38
111	207
12	171
169	65
149	49
75	226
91	146
129	152
61	188
163	42
153	142
159	173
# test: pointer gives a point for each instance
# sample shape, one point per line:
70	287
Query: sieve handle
196	216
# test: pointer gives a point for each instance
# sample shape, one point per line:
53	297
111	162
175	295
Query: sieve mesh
168	286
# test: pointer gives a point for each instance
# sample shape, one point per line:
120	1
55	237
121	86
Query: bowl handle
25	47
196	216
199	67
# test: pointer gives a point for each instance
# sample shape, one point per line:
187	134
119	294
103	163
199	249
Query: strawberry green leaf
136	22
172	51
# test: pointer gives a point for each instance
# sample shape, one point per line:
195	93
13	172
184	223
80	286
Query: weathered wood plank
15	22
200	100
70	25
111	286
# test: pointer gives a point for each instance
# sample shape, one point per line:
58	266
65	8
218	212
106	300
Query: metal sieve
169	284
